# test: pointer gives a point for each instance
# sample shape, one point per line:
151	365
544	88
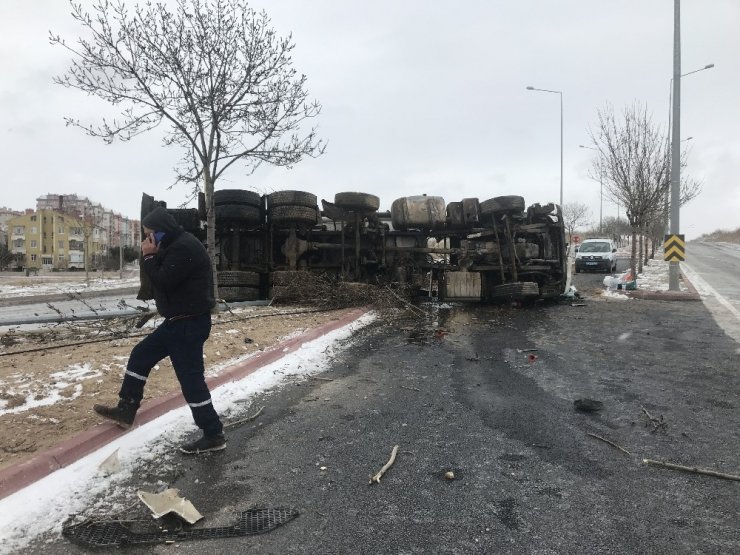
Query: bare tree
575	214
213	71
634	160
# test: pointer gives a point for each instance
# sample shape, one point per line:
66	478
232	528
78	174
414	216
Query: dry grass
722	236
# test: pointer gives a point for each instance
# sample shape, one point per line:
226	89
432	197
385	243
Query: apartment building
113	229
47	239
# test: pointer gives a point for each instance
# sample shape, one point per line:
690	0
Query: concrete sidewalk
16	477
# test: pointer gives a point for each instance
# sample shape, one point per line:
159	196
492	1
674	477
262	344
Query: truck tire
359	202
298	215
243	213
233	294
239	278
498	205
291	198
225	197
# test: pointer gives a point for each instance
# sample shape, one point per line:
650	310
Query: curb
17	477
691	295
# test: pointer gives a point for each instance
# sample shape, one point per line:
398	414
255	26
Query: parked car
597	254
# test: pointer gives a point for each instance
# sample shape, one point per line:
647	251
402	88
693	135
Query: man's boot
123	414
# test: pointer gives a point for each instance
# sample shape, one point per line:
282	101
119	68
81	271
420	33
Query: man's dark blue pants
182	340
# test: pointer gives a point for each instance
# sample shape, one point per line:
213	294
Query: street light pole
670	129
675	140
530	88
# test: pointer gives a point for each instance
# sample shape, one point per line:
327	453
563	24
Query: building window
34	230
33	244
60	230
18	230
33	218
33	258
47	260
60	244
61	258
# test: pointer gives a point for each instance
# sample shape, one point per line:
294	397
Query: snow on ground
46	504
40	285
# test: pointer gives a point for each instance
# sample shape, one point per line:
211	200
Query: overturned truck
490	251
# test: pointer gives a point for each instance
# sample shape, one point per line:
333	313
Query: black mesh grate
122	533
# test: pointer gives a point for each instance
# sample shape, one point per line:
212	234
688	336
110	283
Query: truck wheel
243	213
497	205
357	201
233	277
232	294
236	196
291	198
298	215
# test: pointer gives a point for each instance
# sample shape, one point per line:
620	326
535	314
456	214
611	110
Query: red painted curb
17	477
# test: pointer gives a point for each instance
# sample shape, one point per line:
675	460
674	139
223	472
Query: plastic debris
111	464
169	501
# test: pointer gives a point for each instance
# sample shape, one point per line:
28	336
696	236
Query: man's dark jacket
181	271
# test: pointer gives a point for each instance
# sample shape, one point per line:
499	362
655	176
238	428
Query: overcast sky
418	97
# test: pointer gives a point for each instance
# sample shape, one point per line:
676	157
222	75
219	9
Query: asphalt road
470	399
719	265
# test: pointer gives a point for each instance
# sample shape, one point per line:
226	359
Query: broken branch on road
692	469
623	450
376	479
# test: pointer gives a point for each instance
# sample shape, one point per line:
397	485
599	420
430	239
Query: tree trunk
211	226
642	246
633	253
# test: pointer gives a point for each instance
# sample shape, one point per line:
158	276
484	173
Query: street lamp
601	190
674	130
530	88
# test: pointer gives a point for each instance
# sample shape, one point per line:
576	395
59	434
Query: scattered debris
169	501
622	449
248	340
449	475
588	405
474	358
111	464
526	350
578	304
244	420
659	424
440	333
531	358
118	533
376	479
703	471
410	388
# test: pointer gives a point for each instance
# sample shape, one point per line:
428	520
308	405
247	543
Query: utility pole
673	268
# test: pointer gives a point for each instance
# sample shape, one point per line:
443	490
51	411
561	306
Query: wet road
487	393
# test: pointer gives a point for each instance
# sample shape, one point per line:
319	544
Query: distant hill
722	236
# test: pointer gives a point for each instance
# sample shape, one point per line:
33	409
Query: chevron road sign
674	248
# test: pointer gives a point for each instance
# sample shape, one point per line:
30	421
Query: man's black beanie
160	220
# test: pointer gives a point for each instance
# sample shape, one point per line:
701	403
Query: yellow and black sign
674	248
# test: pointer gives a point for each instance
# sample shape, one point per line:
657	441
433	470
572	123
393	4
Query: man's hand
148	246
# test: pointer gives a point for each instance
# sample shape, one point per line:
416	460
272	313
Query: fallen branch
692	469
410	388
404	301
244	420
376	479
610	443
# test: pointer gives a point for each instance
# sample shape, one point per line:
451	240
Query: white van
596	254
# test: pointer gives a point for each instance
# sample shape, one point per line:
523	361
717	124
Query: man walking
179	269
